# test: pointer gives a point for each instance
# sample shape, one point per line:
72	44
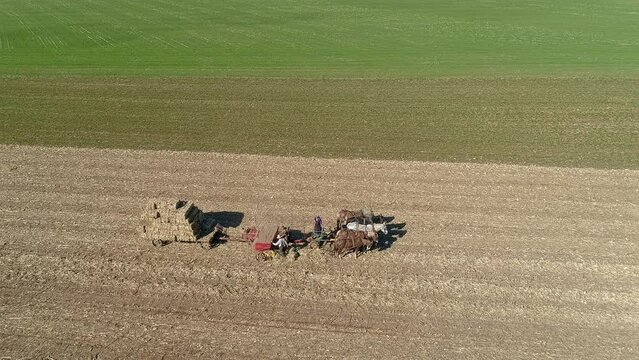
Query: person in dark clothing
319	226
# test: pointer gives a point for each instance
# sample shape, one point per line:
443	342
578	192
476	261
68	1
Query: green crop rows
318	38
550	82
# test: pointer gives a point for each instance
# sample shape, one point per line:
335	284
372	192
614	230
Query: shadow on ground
395	231
226	219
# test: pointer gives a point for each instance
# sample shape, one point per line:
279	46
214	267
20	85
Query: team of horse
347	241
357	231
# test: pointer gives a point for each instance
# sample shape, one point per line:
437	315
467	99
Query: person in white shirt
281	244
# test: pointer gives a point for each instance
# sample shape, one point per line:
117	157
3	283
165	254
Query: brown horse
343	216
359	216
350	240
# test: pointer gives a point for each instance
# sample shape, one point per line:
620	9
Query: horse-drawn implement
182	221
358	233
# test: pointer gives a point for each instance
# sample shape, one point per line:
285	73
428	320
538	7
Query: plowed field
485	261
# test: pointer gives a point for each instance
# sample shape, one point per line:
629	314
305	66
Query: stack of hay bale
180	221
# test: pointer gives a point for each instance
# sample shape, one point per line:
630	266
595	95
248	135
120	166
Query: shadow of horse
395	231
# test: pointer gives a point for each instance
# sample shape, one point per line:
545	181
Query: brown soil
496	261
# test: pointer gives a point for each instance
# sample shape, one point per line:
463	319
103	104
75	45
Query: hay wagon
164	222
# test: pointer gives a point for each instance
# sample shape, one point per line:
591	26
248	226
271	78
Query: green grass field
566	122
319	38
527	82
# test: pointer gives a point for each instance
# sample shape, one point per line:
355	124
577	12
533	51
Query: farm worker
281	244
318	231
318	225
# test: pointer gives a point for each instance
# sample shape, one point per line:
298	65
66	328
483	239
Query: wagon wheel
205	243
159	243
